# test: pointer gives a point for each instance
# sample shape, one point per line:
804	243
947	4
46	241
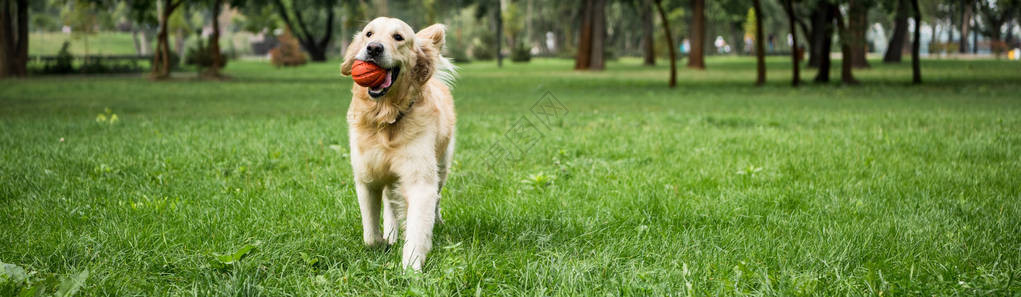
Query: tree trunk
134	39
13	38
161	57
671	45
895	49
7	39
584	57
916	69
846	74
593	36
214	42
648	40
965	26
21	47
760	46
858	25
696	59
996	37
825	32
498	14
382	9
179	42
796	65
598	61
974	36
1009	40
816	33
146	37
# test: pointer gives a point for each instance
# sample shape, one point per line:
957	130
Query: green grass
102	43
713	188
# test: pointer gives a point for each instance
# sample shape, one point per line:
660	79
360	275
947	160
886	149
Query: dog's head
409	58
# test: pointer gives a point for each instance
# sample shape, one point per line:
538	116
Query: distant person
772	41
748	41
721	45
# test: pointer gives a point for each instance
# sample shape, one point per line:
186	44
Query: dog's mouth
381	89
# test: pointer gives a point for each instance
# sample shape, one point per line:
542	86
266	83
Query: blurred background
110	36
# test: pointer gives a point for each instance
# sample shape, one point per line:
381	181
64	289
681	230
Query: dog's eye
398	37
368	34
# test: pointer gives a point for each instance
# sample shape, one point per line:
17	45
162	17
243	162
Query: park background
213	161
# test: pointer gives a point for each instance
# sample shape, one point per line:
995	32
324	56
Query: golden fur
402	142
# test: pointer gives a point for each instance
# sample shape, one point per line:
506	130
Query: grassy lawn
713	188
102	43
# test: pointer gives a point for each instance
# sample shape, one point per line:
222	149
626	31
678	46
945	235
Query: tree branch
174	5
282	11
329	29
301	22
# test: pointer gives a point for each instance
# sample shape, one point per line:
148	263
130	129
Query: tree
670	40
142	14
760	47
895	48
592	38
966	16
789	8
997	13
648	48
822	38
916	68
696	58
214	41
493	8
846	64
857	22
293	13
819	34
161	57
13	38
498	19
82	17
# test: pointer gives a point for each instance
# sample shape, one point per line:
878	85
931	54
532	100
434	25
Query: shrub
521	53
175	60
99	65
63	64
482	49
457	51
288	52
998	47
201	56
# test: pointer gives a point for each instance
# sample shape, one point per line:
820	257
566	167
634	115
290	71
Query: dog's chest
373	159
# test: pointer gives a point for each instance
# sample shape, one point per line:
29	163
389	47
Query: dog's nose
374	49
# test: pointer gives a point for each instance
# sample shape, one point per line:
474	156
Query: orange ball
367	74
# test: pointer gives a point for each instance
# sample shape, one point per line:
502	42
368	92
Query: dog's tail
446	71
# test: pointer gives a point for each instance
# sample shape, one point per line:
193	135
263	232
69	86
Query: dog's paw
375	242
391	237
413	259
414	265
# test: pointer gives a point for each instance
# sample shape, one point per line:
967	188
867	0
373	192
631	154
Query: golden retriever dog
401	133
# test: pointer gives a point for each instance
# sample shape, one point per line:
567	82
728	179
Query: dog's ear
349	54
425	63
429	42
434	35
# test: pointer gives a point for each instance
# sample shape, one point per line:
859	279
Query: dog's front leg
390	222
422	200
368	200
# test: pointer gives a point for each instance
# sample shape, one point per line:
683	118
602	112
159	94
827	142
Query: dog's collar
401	114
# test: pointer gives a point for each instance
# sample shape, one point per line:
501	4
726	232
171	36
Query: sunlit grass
243	187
